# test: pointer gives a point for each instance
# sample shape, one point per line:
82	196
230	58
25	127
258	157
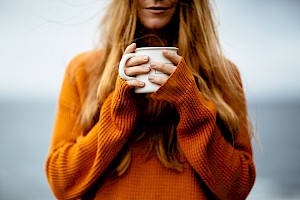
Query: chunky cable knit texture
212	167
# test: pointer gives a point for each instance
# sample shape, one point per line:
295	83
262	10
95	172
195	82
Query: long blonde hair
198	44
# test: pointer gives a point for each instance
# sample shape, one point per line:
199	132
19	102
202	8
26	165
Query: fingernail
145	58
150	78
152	65
133	45
146	69
141	83
165	52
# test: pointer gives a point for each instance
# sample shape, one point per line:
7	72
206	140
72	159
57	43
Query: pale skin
154	15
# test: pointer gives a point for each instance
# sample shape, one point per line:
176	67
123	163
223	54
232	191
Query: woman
188	140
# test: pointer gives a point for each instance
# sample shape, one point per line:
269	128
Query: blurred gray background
39	37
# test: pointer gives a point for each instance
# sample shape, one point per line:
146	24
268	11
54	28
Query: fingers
130	48
137	60
167	68
134	66
136	70
172	56
157	80
136	83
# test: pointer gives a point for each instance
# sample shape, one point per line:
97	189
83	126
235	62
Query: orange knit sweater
213	168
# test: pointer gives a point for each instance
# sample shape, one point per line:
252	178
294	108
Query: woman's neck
167	36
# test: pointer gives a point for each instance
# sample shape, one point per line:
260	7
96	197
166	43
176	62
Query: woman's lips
157	10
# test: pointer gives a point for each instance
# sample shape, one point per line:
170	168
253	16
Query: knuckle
127	50
126	71
159	65
141	69
131	82
140	59
161	80
128	63
158	80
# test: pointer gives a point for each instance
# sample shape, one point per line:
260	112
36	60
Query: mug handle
122	66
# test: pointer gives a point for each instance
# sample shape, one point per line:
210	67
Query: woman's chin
155	24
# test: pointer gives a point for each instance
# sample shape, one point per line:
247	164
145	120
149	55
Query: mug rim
156	48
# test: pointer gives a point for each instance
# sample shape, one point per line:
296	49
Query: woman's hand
134	66
164	67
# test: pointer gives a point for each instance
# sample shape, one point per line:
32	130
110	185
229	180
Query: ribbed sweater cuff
123	91
179	88
124	106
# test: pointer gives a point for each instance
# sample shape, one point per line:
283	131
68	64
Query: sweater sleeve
75	161
228	170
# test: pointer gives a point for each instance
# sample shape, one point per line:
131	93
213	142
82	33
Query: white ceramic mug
155	55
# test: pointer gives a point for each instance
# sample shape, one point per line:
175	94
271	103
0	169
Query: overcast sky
39	37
